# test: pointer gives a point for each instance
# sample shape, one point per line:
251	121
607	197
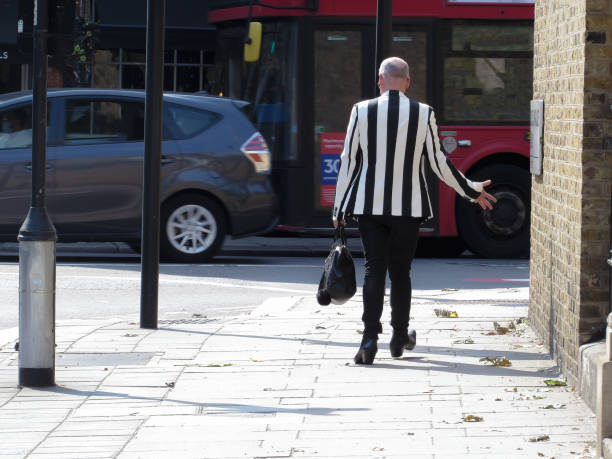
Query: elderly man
383	185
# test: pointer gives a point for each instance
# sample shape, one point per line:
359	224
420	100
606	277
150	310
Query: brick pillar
570	226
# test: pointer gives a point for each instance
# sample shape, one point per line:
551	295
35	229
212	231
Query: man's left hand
485	199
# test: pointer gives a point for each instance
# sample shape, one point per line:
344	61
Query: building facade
103	45
570	219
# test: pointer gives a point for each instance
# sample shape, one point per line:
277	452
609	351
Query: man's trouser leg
374	236
402	247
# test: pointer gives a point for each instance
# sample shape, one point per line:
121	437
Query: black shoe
400	341
366	352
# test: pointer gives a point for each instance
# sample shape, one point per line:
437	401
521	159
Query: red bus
471	60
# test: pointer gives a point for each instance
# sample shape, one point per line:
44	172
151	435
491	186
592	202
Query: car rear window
186	122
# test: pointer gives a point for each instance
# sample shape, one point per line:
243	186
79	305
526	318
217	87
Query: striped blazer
388	142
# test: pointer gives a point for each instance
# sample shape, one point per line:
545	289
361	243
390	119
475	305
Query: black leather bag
337	284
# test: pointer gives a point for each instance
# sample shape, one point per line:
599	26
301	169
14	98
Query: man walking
383	185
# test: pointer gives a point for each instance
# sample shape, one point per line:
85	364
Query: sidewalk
280	382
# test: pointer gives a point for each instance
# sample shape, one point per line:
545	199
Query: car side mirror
252	45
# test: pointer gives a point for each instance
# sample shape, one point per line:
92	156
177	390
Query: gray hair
394	67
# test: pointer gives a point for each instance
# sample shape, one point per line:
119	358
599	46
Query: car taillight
257	151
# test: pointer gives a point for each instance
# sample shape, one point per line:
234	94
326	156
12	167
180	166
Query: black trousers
389	244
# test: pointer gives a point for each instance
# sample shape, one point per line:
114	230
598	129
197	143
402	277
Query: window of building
487	71
184	70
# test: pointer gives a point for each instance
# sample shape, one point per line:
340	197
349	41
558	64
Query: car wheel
193	228
504	231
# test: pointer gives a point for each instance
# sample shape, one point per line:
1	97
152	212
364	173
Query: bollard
37	313
604	393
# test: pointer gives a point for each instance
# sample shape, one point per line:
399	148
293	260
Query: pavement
280	382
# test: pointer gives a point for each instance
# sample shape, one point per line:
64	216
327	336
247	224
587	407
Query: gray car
215	169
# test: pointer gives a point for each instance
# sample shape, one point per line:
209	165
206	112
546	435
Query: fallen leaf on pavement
496	361
464	341
216	365
446	313
320	327
170	384
540	438
499	329
472	418
195	314
556	406
554	382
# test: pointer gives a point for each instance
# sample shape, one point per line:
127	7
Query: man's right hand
342	223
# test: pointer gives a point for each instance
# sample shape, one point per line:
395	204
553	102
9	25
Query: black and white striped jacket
382	170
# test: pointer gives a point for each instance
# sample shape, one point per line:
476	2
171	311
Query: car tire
504	231
193	228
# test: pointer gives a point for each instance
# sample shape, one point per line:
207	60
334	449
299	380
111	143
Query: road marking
496	279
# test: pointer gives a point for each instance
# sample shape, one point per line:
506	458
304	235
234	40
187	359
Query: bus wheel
193	228
504	231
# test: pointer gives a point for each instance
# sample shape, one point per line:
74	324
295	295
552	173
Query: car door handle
166	159
29	167
465	143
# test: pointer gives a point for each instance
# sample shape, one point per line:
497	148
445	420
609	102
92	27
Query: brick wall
571	199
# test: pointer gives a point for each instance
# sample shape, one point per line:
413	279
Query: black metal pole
156	11
37	235
384	16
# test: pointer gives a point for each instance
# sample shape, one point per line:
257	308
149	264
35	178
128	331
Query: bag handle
340	234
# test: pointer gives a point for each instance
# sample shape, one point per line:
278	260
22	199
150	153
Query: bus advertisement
472	61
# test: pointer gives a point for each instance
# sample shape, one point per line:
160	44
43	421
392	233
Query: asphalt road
234	285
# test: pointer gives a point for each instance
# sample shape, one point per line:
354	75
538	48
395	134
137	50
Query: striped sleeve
443	167
348	163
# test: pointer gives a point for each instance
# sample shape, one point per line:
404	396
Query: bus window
411	45
487	72
335	93
268	84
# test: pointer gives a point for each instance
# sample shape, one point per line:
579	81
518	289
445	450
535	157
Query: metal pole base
37	313
37	377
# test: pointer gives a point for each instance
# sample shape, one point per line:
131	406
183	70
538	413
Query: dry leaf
472	418
464	341
496	361
170	384
320	327
446	313
539	438
499	329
